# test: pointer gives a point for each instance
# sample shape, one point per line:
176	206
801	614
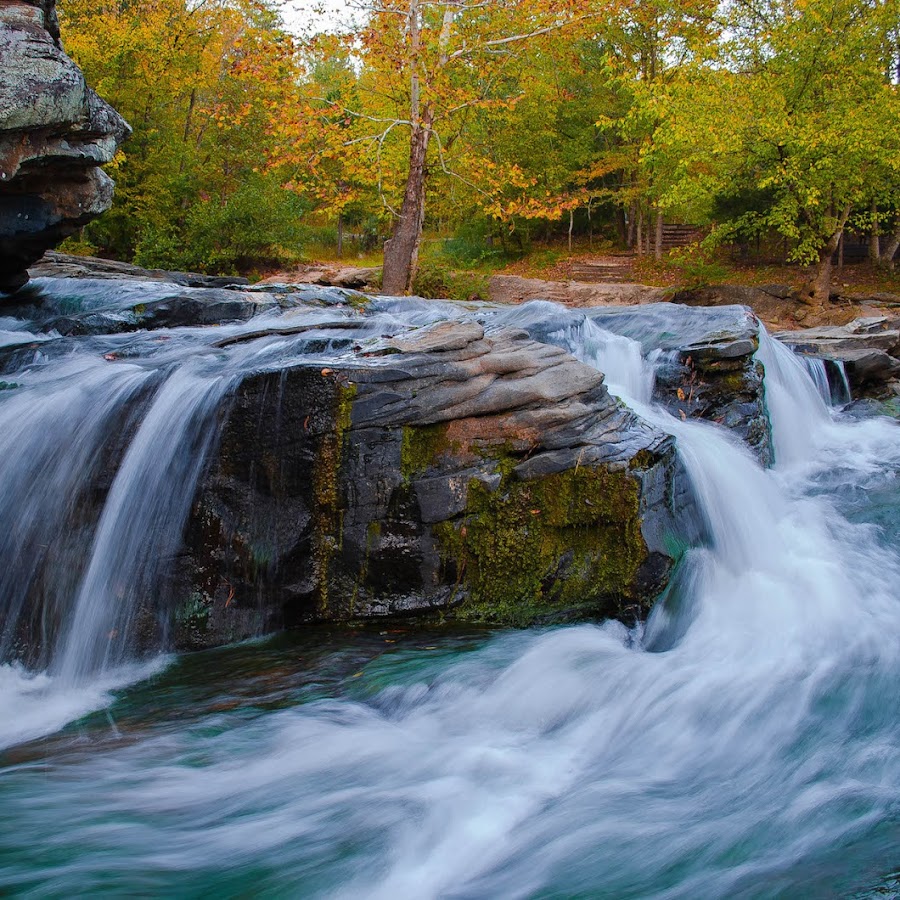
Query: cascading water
756	754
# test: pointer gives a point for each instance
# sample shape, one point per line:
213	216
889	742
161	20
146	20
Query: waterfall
834	390
58	431
754	752
141	526
817	371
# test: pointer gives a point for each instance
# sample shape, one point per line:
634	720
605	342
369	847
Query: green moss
193	613
562	543
420	445
327	513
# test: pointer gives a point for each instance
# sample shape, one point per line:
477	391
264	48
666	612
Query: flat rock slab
868	348
486	477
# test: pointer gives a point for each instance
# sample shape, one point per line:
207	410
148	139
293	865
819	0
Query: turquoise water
745	743
449	763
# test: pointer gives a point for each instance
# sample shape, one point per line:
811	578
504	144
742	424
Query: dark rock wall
488	479
55	133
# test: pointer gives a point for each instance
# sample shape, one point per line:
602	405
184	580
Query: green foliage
439	281
258	225
473	243
78	245
698	266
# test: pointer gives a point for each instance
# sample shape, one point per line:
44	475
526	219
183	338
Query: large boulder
868	349
707	368
705	358
55	133
441	473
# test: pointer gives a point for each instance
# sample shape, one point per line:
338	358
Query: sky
310	16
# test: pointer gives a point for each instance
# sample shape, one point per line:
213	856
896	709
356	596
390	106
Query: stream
743	742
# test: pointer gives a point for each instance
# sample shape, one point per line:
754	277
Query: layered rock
444	473
868	349
55	133
706	368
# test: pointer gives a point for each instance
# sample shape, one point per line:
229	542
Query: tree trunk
632	229
622	227
659	235
886	259
817	290
340	236
874	237
571	227
401	252
640	232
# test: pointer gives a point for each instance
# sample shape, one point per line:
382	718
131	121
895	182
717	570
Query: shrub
438	281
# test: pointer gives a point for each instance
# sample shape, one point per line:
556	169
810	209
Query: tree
427	64
798	119
197	81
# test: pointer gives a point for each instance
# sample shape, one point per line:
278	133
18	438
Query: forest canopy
487	121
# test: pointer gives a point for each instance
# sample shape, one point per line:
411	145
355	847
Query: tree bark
659	235
817	290
874	237
886	259
621	226
640	232
401	252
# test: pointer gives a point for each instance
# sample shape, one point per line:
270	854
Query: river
745	742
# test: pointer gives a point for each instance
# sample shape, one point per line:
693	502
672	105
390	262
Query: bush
259	225
472	243
439	282
698	266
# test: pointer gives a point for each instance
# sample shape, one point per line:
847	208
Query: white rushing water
756	753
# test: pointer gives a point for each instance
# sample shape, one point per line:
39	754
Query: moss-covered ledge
489	479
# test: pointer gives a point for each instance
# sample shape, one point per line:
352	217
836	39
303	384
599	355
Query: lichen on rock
55	134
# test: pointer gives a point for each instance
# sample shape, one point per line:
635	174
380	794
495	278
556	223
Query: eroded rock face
706	367
868	348
485	478
55	133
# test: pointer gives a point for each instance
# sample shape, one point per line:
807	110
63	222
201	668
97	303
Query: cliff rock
55	133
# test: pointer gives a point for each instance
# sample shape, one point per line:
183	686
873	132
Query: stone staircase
604	270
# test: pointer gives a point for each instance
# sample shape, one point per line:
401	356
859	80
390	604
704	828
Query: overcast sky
310	16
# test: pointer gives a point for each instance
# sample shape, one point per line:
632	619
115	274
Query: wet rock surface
448	473
55	133
706	367
868	348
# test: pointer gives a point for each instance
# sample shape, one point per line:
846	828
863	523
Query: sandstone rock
489	478
329	276
513	289
55	132
867	347
706	369
88	306
64	265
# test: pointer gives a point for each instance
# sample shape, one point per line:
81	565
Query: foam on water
756	752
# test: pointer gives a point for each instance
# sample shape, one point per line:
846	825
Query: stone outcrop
705	367
515	289
442	472
63	265
357	277
55	133
868	348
